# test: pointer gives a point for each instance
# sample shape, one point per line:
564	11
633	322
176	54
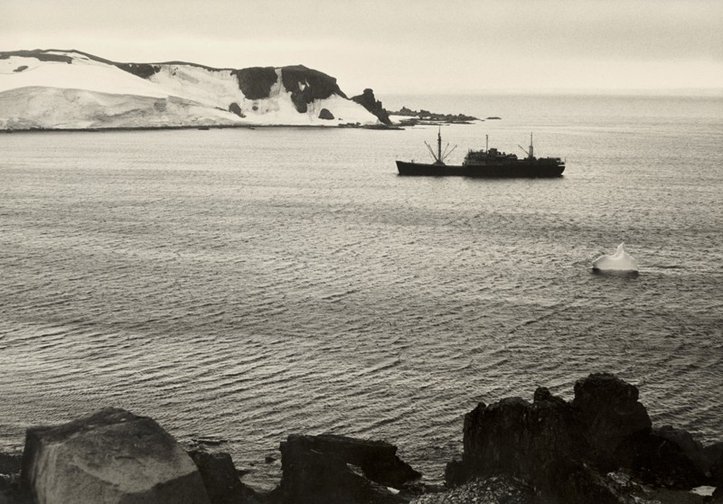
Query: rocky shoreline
600	447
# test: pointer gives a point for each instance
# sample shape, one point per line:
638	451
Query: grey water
243	284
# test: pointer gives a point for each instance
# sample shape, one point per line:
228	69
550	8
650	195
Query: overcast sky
401	46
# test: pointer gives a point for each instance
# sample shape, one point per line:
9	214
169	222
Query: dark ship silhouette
487	163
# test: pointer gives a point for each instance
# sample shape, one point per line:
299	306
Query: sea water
242	285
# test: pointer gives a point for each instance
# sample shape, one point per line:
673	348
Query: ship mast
532	149
440	156
439	144
530	153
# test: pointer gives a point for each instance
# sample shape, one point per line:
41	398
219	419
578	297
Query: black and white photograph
361	252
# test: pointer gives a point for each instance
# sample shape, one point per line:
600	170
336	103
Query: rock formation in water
53	89
425	116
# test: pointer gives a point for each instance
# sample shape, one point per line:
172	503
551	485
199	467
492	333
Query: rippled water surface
246	284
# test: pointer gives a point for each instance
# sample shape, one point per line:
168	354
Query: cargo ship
487	163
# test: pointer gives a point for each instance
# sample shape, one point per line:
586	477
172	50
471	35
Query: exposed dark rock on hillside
234	107
325	114
39	55
255	82
307	85
142	70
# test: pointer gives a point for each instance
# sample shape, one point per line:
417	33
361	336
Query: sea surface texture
241	285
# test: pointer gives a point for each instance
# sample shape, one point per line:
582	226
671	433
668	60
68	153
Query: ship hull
519	168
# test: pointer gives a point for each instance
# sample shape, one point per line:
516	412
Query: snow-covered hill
53	89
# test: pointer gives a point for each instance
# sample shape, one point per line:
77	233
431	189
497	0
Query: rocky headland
600	447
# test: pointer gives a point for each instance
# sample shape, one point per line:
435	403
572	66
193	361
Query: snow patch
81	74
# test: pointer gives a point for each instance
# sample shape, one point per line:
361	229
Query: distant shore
202	128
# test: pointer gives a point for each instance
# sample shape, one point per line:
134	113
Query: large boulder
334	469
109	457
612	417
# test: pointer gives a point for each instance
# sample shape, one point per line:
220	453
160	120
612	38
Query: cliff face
53	89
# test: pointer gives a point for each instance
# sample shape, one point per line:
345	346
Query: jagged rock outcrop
109	457
519	438
221	479
369	102
567	450
330	469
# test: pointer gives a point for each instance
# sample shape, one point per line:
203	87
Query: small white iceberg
620	261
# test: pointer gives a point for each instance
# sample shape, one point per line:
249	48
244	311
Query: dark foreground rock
109	457
610	417
567	450
598	448
221	479
330	469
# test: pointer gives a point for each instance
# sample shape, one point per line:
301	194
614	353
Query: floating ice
619	261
